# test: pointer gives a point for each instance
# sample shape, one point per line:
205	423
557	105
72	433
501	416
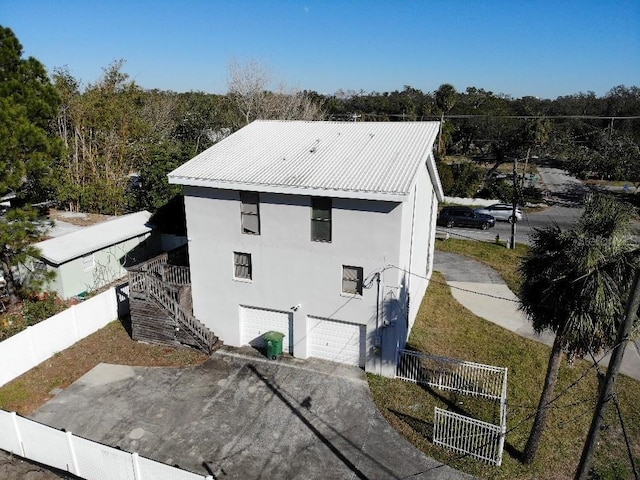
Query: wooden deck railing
175	274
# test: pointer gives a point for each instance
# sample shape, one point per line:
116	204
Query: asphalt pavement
240	416
563	195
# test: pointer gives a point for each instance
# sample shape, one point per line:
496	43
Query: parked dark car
464	217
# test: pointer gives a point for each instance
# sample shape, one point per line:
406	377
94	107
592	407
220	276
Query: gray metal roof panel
367	157
96	237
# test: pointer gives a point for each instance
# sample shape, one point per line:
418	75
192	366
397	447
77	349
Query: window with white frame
242	265
321	219
352	280
250	212
88	262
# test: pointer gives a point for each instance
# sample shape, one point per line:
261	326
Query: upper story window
352	278
321	219
242	265
250	212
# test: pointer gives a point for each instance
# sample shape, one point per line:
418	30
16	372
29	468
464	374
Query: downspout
378	305
408	282
378	339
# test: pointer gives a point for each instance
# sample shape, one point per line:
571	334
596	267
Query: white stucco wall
288	268
415	262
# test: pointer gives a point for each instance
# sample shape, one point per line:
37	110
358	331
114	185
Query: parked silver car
501	211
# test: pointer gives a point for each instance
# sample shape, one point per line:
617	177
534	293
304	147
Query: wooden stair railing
145	281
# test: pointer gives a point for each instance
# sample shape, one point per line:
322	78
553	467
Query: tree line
107	146
113	129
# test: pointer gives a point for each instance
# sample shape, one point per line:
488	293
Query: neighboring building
321	230
95	256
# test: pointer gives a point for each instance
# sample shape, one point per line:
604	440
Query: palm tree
445	98
575	284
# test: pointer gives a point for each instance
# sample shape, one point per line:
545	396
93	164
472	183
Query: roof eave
290	190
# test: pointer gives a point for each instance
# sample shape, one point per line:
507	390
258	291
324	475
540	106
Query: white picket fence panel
84	458
481	440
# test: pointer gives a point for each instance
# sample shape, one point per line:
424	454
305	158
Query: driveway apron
240	417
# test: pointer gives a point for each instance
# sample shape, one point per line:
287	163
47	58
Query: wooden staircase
161	306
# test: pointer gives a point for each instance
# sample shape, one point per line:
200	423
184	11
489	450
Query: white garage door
337	341
258	321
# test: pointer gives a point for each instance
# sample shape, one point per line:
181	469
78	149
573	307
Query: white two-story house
323	231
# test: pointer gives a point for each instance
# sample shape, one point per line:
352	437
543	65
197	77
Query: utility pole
606	391
512	240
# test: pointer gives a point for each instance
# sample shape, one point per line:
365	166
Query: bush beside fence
23	351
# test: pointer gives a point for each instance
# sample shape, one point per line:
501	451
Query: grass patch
504	260
110	344
444	327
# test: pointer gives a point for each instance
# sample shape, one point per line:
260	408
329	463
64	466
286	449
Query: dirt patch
14	467
111	344
78	218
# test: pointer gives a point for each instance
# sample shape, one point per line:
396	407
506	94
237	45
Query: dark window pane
250	212
250	224
321	219
321	231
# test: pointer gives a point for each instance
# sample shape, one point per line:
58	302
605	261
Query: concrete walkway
481	289
239	416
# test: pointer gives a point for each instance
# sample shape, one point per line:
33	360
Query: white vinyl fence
471	202
473	437
84	458
23	351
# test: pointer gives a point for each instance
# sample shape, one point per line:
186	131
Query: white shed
95	256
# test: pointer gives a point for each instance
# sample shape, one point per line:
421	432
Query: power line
487	115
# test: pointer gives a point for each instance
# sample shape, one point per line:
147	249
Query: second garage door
337	341
258	321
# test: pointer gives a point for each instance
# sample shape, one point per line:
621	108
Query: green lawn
444	327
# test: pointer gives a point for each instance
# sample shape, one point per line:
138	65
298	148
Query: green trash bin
273	341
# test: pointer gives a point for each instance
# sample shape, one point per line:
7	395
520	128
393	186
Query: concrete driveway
242	417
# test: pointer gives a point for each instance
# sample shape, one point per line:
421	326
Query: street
563	193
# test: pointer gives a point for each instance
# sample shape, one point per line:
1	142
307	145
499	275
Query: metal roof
375	160
96	237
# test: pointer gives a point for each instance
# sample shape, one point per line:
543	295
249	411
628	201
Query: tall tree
28	104
249	90
575	284
107	129
445	100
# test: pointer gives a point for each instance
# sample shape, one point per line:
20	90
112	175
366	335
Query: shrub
497	189
35	311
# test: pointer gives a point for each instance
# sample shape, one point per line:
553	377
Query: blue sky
517	47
